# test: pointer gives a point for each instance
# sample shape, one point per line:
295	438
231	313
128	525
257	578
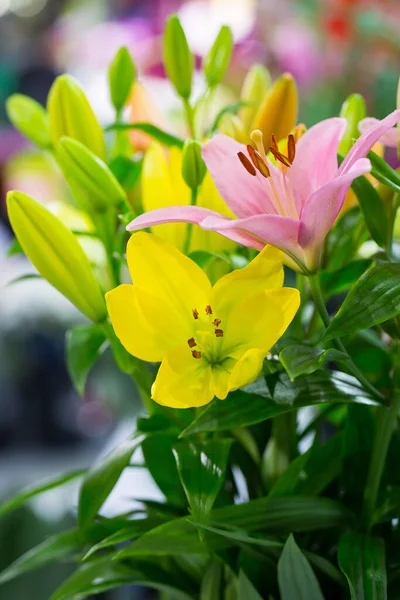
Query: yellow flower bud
72	116
353	110
193	166
57	255
255	87
30	118
278	113
91	174
217	60
178	59
232	126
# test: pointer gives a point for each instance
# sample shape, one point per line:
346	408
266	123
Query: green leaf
84	345
14	248
343	241
38	488
389	504
126	171
384	172
26	277
55	548
304	360
241	409
211	583
202	467
167	139
164	472
362	560
101	479
295	576
342	279
373	209
375	298
247	591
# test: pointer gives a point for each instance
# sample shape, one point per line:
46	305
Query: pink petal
172	214
281	232
364	143
245	194
315	163
324	205
389	139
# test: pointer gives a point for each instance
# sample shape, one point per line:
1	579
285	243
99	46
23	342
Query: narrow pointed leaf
202	466
165	138
373	209
84	345
362	560
211	583
384	172
247	591
375	298
342	279
304	360
295	576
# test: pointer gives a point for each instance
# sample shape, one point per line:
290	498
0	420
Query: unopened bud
55	252
232	126
72	116
30	118
217	60
121	76
193	166
353	110
254	89
91	174
178	59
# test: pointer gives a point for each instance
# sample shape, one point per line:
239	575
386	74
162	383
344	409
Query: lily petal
324	205
246	369
390	138
365	142
316	159
183	381
281	232
172	214
245	194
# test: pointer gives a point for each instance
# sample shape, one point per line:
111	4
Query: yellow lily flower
163	185
209	340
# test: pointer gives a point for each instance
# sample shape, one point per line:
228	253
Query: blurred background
332	47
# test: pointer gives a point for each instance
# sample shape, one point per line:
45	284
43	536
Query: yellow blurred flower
209	340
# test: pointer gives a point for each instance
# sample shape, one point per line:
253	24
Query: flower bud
217	60
254	89
178	59
30	118
278	113
353	110
56	254
193	165
91	174
121	76
72	116
232	126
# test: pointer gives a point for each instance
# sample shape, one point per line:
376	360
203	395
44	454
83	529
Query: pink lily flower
291	205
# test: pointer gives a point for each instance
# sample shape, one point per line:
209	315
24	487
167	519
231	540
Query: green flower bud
53	249
353	110
121	76
254	89
232	126
72	116
30	118
193	166
178	59
91	174
217	60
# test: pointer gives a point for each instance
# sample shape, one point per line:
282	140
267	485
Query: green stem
387	419
354	370
189	117
392	218
193	200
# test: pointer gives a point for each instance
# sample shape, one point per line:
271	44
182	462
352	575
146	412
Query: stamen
256	136
280	157
216	322
209	310
274	142
219	333
196	354
195	313
291	148
258	162
247	164
192	342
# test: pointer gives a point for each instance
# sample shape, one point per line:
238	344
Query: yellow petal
263	272
221	377
183	381
246	369
136	332
159	268
163	185
260	320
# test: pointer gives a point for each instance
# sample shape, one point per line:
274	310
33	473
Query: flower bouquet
256	306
